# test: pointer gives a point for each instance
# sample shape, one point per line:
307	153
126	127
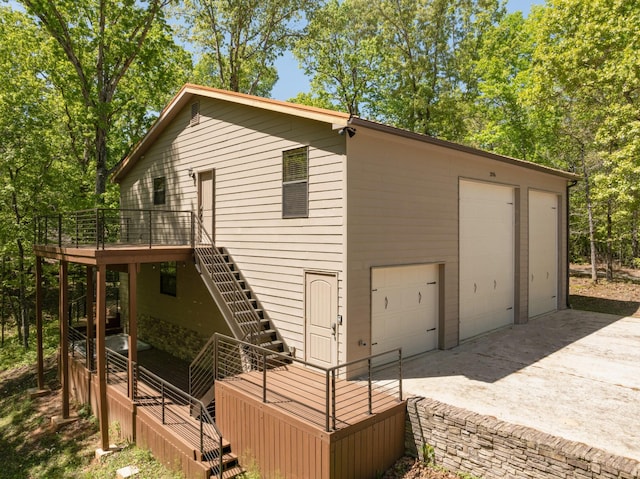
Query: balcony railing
316	394
101	228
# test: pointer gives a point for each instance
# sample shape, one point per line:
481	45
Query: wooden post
101	314
64	336
90	319
39	346
133	327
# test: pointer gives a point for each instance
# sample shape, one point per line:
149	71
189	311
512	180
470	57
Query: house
334	238
356	237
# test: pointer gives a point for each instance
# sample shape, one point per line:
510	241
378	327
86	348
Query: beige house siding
244	145
403	209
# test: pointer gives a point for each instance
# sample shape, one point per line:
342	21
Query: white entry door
321	315
404	308
206	205
487	257
543	252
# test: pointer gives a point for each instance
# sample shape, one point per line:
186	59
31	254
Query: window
159	190
195	114
168	278
295	183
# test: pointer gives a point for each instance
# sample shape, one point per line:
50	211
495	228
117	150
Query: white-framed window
295	183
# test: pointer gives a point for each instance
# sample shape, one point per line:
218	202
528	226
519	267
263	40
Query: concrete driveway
573	374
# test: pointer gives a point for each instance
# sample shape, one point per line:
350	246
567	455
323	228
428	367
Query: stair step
233	472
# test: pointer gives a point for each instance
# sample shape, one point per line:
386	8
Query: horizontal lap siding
245	146
403	209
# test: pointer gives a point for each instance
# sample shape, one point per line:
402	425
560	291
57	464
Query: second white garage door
487	249
404	308
543	252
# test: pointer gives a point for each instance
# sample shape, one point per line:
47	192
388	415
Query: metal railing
174	408
320	395
212	261
244	321
101	228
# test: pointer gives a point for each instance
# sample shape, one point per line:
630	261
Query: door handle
386	302
419	297
334	328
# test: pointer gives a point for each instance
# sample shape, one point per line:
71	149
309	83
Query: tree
405	62
239	40
341	51
31	156
586	66
118	51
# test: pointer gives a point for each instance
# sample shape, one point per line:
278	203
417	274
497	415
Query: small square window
168	278
295	183
159	190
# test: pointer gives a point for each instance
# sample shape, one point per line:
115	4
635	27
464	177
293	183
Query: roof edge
357	121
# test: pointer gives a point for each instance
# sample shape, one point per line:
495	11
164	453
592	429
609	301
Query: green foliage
239	40
114	64
428	454
13	354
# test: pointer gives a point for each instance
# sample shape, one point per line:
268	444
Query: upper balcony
119	236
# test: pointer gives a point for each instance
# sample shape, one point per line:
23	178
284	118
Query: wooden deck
287	437
115	254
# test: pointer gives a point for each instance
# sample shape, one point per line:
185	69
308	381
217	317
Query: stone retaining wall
489	448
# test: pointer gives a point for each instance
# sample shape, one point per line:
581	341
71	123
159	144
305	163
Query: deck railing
173	407
375	382
100	228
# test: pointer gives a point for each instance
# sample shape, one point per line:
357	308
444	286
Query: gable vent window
295	183
159	190
195	114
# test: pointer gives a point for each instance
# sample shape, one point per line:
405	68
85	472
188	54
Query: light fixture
349	130
191	173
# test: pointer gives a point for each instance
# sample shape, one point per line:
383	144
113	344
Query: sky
292	79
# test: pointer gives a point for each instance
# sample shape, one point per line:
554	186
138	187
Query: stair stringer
222	305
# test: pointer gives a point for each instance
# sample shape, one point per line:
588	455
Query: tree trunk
609	243
101	164
634	238
22	297
592	235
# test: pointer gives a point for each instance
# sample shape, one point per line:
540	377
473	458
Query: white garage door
543	252
404	308
486	257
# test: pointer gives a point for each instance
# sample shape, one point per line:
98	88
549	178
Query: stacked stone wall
488	448
181	342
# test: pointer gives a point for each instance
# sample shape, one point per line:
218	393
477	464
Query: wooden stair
237	302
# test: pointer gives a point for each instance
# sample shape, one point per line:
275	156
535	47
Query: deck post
369	392
90	319
133	326
39	323
64	336
101	313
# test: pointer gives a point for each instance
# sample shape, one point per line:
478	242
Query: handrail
102	227
232	356
240	302
146	387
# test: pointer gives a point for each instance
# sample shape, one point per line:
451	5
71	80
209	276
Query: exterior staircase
241	310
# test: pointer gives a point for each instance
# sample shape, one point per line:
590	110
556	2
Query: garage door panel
404	308
486	257
543	252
